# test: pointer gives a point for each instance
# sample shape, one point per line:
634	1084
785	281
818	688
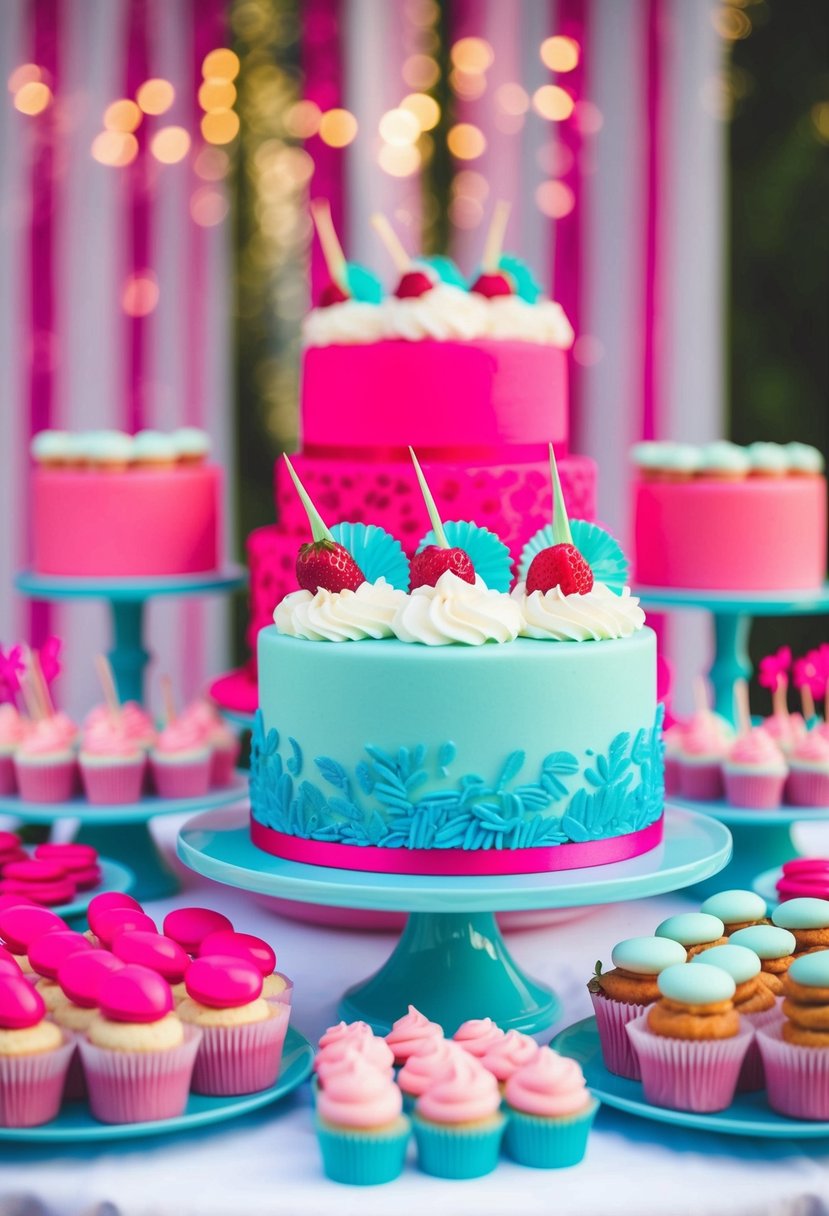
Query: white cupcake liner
241	1059
31	1086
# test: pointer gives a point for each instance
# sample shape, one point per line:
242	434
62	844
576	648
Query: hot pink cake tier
130	524
753	534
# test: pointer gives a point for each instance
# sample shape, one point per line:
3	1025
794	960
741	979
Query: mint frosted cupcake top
811	970
735	907
700	984
739	962
803	913
647	955
767	941
691	928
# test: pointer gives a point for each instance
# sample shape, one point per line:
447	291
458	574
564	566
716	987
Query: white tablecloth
267	1162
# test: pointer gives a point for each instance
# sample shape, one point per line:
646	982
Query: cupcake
361	1128
46	953
161	954
50	449
725	461
736	909
13	730
458	1123
275	985
21	925
753	1000
79	977
786	729
477	1036
223	742
190	926
429	1064
690	1044
696	931
137	1055
550	1112
807	919
509	1054
109	451
242	1034
99	905
767	460
34	1056
672	739
408	1033
112	763
192	445
371	1048
754	771
153	452
795	1050
804	460
775	949
808	781
44	763
180	762
704	745
623	994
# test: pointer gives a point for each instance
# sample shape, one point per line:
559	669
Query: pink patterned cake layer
127	524
471	399
752	534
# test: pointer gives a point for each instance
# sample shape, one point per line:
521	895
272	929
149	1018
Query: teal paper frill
601	551
490	556
376	552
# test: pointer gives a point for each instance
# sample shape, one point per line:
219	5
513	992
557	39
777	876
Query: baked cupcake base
139	1086
689	1074
31	1086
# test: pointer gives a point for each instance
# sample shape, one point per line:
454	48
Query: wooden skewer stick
779	698
332	250
392	243
108	685
167	699
807	701
29	697
742	706
37	685
494	245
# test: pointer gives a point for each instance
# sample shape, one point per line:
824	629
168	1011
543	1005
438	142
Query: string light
399	128
26	73
553	103
122	115
302	119
425	109
472	55
338	128
399	160
421	71
115	148
467	85
33	97
208	207
554	199
559	54
731	23
155	96
220	127
140	294
170	145
466	141
221	64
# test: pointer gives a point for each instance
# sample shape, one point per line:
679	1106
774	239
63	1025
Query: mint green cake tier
529	744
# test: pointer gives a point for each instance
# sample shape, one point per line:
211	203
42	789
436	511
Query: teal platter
76	1125
748	603
748	1115
129	590
94	815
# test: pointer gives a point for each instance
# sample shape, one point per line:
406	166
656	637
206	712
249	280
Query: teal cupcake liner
548	1144
363	1158
458	1152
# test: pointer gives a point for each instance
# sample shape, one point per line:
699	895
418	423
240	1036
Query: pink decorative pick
81	974
49	659
152	950
12	668
222	982
773	674
50	949
240	945
21	1005
190	926
135	994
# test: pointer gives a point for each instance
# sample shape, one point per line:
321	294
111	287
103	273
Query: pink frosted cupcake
223	742
358	1040
34	1056
408	1033
79	978
672	739
477	1036
46	954
786	729
44	762
275	985
180	762
424	1067
755	771
360	1125
550	1112
136	723
161	954
808	782
509	1054
137	1056
704	744
13	730
458	1122
242	1034
112	764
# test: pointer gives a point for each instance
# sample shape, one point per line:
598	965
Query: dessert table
268	1160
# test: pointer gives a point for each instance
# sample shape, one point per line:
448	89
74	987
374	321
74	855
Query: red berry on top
332	293
560	566
430	563
494	284
413	283
323	565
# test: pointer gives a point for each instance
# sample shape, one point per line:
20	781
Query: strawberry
495	284
323	565
560	566
332	293
414	283
427	566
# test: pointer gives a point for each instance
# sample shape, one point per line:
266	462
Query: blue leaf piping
376	552
603	552
490	556
382	803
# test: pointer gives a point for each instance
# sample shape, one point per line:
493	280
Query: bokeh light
208	207
466	141
588	350
512	98
465	212
338	128
115	148
170	145
469	86
425	109
588	117
220	127
217	95
302	119
221	64
553	103
140	294
472	54
122	115
421	72
554	199
560	54
731	23
155	96
26	73
399	128
211	164
33	97
820	120
399	160
470	183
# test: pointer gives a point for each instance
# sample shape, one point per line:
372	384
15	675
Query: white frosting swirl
725	457
455	611
352	321
444	312
50	445
598	616
803	458
544	322
340	616
769	458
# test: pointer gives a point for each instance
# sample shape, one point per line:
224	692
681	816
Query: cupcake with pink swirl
362	1131
112	762
550	1112
180	761
424	1067
458	1122
408	1032
44	762
755	771
513	1051
704	743
477	1036
341	1042
136	723
13	730
808	783
223	742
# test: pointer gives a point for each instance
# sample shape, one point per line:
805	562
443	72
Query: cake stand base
451	961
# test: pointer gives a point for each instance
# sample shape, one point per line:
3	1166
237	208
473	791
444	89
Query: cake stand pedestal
451	960
127	598
122	831
733	612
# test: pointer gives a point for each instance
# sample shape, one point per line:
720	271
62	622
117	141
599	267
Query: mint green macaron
647	955
741	963
697	985
802	913
735	907
691	928
767	941
811	970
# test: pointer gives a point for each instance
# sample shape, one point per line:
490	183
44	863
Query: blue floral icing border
377	804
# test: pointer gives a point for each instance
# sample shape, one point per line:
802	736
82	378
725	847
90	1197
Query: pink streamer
654	168
137	187
322	21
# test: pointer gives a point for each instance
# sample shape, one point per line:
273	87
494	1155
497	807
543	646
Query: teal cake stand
451	960
733	612
122	831
127	598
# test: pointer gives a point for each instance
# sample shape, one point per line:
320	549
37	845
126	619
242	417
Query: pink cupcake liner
46	782
31	1087
139	1086
805	788
285	997
797	1078
74	1089
223	766
689	1074
701	782
671	776
612	1018
188	780
752	1076
754	791
8	781
114	784
240	1059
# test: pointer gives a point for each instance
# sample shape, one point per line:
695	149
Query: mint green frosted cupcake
362	1131
550	1112
458	1123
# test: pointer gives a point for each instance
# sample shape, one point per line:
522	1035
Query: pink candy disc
80	975
12	858
34	871
8	842
152	950
51	894
48	951
72	856
21	1005
118	920
806	865
223	982
86	878
190	926
22	924
14	901
105	901
8	963
810	886
240	945
134	994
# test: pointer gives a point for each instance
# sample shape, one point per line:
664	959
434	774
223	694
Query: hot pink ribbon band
464	453
448	862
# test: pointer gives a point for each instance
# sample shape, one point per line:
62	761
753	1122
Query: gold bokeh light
115	148
338	128
466	141
155	96
170	145
472	54
217	95
425	109
399	128
122	115
220	127
560	54
221	64
553	103
33	97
